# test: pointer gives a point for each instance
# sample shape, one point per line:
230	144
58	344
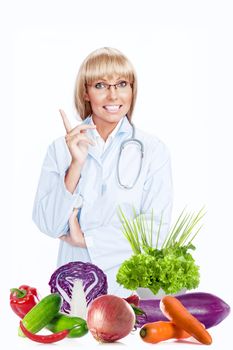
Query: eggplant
207	308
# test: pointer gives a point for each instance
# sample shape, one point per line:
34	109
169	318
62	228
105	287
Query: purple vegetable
93	279
207	308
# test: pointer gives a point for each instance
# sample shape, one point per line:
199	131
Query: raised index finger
66	121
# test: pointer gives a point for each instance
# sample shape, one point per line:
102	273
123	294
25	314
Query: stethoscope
124	144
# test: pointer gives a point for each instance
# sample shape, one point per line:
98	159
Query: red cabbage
93	278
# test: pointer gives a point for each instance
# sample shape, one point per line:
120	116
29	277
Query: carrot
155	332
174	310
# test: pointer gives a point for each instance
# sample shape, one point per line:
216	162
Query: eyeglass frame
109	85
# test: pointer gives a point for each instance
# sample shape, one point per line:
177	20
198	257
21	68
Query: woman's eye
100	86
122	84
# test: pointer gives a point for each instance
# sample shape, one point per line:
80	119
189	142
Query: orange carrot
175	311
155	332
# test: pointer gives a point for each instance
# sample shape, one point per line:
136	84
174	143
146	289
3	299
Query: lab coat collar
125	128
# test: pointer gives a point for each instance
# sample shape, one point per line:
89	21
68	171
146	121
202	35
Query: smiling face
106	65
109	103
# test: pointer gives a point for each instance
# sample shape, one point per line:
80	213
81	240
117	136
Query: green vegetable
76	325
42	313
170	268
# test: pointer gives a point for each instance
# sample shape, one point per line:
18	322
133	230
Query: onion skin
209	309
110	318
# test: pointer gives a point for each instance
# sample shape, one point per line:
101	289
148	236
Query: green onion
140	236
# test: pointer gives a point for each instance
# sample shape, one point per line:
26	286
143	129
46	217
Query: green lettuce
171	268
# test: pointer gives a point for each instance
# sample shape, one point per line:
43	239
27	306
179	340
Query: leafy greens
170	268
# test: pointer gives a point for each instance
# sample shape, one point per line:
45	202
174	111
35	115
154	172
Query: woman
83	183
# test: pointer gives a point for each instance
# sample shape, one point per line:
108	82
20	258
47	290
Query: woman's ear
86	97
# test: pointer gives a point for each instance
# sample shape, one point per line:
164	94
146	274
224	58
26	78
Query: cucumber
42	313
76	325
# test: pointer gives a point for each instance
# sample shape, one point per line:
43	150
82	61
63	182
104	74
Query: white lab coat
106	245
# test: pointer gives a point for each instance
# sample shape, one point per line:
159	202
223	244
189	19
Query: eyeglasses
103	87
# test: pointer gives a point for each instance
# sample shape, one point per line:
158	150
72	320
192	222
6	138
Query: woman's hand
76	140
75	236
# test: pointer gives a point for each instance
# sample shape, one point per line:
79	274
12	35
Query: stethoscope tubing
131	140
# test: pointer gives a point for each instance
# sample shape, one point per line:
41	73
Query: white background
182	52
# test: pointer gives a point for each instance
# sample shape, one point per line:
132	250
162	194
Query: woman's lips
112	108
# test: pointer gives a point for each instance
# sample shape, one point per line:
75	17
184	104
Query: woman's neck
104	128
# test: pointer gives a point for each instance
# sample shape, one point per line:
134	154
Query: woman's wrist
76	164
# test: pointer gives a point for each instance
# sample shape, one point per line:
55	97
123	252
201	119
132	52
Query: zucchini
76	325
42	313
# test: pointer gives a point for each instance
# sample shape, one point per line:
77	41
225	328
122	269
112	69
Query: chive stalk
139	233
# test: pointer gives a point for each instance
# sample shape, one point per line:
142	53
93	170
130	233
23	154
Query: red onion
110	318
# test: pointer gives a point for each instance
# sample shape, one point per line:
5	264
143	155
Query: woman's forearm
74	241
72	176
75	236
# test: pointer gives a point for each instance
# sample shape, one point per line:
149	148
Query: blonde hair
103	62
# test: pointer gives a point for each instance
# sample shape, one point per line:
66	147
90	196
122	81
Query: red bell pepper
133	299
23	299
45	339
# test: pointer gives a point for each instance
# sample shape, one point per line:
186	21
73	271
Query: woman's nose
112	92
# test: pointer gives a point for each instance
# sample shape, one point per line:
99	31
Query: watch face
79	202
